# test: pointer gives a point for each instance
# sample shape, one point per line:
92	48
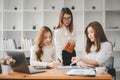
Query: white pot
5	69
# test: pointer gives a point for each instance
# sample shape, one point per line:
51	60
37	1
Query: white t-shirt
102	56
62	36
48	56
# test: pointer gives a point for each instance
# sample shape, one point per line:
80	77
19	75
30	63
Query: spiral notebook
81	72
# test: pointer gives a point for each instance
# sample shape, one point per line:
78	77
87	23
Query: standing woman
98	49
65	33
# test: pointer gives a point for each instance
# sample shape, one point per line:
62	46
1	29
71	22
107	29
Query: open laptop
21	63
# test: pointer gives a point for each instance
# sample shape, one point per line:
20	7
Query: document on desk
81	72
39	67
69	67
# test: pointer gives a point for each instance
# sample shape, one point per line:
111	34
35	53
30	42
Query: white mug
101	70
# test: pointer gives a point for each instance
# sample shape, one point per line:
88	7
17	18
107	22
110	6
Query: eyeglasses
65	18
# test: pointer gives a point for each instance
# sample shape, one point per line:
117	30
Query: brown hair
65	11
39	41
99	36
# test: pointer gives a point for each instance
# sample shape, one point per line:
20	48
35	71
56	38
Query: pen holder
5	69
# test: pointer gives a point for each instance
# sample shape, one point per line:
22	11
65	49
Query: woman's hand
53	64
72	43
75	60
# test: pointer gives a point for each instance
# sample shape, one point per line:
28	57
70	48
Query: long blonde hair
39	41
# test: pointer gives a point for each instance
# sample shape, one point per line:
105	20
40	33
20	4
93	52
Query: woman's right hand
53	64
75	60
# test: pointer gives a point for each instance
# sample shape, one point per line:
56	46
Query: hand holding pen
59	60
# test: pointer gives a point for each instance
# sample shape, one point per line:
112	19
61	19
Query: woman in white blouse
43	53
65	32
98	49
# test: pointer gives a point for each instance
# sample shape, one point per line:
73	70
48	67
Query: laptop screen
21	63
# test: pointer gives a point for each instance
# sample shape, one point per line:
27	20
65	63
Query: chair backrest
0	68
111	69
111	64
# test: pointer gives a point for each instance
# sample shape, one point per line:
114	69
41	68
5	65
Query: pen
59	60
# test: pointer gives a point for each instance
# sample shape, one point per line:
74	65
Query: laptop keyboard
33	70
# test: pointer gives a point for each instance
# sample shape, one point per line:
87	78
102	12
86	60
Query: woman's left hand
72	43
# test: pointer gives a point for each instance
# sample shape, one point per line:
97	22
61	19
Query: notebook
21	63
69	67
69	48
81	72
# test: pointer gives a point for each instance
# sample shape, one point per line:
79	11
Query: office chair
0	68
111	69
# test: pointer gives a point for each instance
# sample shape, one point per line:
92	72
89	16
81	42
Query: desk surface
53	74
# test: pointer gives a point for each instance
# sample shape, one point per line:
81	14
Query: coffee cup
101	70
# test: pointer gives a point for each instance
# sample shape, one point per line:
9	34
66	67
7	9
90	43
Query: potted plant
5	64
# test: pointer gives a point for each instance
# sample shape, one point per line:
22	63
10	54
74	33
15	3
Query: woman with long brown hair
65	33
43	53
98	49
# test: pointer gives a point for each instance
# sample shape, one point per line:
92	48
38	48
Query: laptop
21	63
